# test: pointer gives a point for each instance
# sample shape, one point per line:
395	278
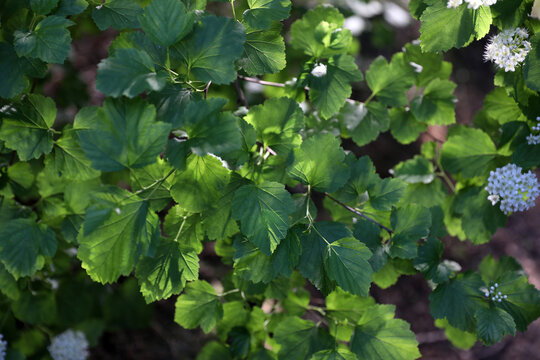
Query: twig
434	137
241	96
358	213
206	89
276	84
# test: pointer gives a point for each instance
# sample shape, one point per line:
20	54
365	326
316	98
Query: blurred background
380	28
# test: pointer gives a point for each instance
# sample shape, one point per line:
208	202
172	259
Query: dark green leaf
264	50
436	106
493	323
404	127
262	13
299	339
389	82
364	123
166	21
119	14
12	79
198	306
43	7
70	7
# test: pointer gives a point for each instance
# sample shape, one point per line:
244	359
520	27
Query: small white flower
3	347
508	49
417	67
319	70
69	345
517	191
454	3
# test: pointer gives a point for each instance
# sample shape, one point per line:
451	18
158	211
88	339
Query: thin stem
354	211
241	96
232	7
369	99
206	89
229	292
442	173
318	309
434	137
158	183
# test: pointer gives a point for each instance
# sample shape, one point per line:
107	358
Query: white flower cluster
516	191
494	294
69	345
319	70
3	347
473	4
534	139
508	48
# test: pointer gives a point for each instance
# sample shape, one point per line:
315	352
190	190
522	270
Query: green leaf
198	306
429	262
122	134
213	350
115	235
389	82
444	28
277	124
264	50
24	245
185	229
531	66
363	177
49	41
166	22
364	123
201	184
119	14
8	284
479	219
12	79
458	300
461	339
27	128
404	127
474	159
379	336
436	106
263	211
262	13
330	91
433	66
384	194
166	273
71	7
327	173
129	72
314	247
43	7
299	339
409	223
336	354
346	262
416	170
250	263
68	158
501	107
153	182
212	48
511	14
493	323
319	33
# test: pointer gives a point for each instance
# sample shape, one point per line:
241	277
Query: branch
206	89
276	84
358	213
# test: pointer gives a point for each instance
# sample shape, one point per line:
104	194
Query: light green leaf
389	82
43	7
68	158
458	300
262	13
327	173
153	182
346	262
436	106
166	22
416	170
469	152
129	72
12	79
166	273
49	41
319	33
198	306
379	335
201	184
444	28
212	48
459	338
330	91
122	134
24	244
336	354
185	229
364	123
27	128
114	236
277	124
263	211
493	323
70	7
404	127
213	350
119	14
501	107
300	338
264	51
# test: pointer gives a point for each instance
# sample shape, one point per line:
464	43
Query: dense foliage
135	189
